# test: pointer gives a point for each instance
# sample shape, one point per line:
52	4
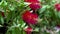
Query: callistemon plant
29	16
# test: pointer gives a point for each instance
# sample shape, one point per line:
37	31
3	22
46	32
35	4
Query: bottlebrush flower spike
28	30
57	6
35	6
30	18
32	1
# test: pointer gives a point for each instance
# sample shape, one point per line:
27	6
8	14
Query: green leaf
2	20
43	9
59	14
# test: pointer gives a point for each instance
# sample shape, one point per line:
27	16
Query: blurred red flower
28	30
35	6
32	1
57	6
30	18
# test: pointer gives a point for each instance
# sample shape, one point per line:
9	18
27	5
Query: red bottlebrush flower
32	1
57	6
35	6
28	30
30	18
